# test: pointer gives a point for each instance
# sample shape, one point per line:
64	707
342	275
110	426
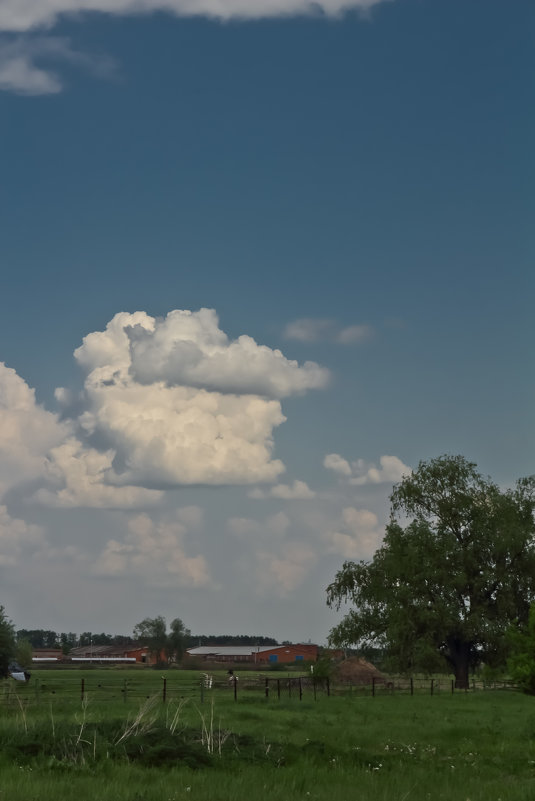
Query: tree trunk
459	657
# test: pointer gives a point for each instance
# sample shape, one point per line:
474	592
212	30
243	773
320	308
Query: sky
258	259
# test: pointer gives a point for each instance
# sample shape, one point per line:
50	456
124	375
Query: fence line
65	688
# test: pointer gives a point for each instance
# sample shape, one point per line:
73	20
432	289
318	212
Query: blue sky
350	188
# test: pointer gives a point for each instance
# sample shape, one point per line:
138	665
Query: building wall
289	653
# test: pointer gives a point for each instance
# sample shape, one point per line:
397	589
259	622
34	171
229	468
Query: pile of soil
354	670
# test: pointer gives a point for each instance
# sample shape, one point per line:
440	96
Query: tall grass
479	747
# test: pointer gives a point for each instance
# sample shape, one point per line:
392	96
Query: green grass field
123	742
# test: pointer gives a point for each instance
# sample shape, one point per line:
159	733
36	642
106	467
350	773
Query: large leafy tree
7	642
456	569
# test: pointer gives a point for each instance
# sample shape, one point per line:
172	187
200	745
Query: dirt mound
357	671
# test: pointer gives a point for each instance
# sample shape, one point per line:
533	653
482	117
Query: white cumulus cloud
152	416
391	469
336	463
178	403
156	551
357	535
18	539
27	431
36	447
188	348
83	476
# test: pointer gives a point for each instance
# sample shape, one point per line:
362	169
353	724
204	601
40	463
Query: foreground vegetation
476	746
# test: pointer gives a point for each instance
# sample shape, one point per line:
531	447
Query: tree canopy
455	570
7	642
152	632
521	662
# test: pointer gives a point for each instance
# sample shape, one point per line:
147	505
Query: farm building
134	652
257	654
47	655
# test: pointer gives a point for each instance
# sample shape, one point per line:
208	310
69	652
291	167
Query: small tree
7	642
23	653
152	633
176	640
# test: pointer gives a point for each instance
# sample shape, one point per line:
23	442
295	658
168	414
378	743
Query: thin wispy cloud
298	491
31	14
319	329
29	64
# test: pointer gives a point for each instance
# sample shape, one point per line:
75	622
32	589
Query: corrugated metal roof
230	650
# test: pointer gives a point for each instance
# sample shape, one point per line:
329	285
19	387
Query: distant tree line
152	632
45	638
232	639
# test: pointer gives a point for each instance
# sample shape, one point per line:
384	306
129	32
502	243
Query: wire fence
113	688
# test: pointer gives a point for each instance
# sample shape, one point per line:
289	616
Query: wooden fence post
279	689
328	686
432	685
373	686
235	688
267	687
164	690
300	689
82	691
412	686
314	686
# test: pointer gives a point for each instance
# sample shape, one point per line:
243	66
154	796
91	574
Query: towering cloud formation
189	348
166	402
181	404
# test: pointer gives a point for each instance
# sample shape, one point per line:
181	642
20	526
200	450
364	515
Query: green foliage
176	640
323	668
521	663
23	653
152	633
456	567
39	638
7	642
